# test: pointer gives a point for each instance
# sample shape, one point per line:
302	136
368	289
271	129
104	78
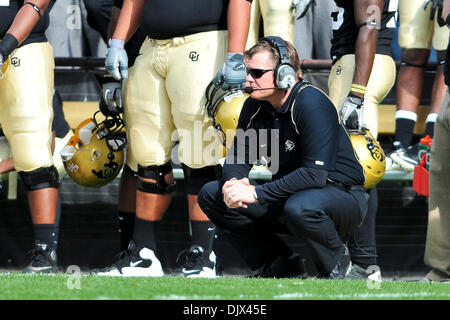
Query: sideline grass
64	287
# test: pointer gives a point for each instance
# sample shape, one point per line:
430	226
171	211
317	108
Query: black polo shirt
308	142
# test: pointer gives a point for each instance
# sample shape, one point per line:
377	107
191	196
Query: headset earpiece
285	75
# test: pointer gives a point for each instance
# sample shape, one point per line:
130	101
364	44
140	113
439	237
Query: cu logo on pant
193	55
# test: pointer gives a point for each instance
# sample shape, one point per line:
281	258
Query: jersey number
337	18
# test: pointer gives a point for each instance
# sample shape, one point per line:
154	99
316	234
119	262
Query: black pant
321	216
362	243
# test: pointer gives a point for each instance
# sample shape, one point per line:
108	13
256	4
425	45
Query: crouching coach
316	192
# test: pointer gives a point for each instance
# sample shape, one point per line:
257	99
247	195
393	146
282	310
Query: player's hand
351	112
117	60
301	7
435	5
111	99
233	72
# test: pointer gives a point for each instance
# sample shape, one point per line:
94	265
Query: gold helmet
224	107
94	155
4	67
370	155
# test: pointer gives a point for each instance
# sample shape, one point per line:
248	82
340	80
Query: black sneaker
196	263
43	259
134	262
406	158
343	266
359	273
284	267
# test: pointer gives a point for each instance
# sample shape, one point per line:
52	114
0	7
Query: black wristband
35	7
8	44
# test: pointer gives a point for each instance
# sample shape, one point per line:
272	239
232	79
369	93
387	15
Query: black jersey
308	135
164	19
9	12
345	29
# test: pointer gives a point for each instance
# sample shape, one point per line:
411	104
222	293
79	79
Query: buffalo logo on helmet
376	152
224	108
370	155
94	155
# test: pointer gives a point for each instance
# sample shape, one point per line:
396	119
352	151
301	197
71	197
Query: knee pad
156	173
194	179
41	178
407	64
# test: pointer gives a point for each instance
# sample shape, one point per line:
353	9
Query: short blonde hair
265	44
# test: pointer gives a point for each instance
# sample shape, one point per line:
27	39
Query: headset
285	75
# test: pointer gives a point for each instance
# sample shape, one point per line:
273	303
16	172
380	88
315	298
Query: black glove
351	112
436	5
111	99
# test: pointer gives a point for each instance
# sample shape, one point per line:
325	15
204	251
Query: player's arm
232	74
6	165
25	20
115	13
238	21
446	10
129	19
128	22
368	19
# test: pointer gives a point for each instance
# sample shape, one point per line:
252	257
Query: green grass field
15	286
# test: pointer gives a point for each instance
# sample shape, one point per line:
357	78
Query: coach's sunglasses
258	73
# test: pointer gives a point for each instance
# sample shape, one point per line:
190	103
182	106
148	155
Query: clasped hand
238	193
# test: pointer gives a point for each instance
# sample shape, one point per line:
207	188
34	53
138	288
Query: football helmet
370	155
224	107
4	67
94	155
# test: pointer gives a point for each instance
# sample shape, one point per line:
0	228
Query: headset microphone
250	89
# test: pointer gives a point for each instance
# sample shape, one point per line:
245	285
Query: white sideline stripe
178	297
360	295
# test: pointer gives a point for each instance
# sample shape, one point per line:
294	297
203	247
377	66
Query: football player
61	134
277	17
26	91
164	100
103	16
420	28
437	250
362	74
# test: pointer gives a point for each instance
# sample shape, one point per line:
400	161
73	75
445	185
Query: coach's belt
176	41
343	186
